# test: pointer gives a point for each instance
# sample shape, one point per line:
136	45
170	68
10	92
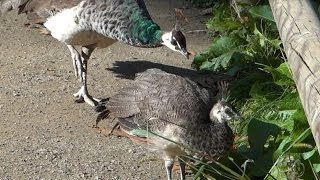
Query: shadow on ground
128	69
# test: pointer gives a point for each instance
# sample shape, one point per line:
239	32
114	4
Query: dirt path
44	134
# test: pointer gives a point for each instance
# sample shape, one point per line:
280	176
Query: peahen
175	116
95	24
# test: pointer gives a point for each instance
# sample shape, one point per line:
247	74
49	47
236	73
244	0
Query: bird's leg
169	166
80	67
82	94
76	61
182	168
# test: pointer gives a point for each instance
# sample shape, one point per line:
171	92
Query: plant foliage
275	141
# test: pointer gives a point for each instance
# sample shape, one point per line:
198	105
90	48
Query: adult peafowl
93	24
175	116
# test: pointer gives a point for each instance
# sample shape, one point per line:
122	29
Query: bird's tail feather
127	124
103	115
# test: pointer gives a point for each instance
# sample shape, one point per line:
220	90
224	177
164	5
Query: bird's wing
127	21
159	95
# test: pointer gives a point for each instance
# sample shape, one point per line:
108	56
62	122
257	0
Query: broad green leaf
223	20
224	45
227	25
218	63
289	101
281	75
262	164
282	147
286	114
276	43
200	59
284	70
309	154
288	124
267	90
316	167
262	12
258	134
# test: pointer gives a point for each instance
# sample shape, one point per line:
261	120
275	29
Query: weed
275	142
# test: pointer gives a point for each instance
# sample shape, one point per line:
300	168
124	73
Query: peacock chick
93	24
175	116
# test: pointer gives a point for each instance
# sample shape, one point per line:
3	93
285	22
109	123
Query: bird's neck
211	139
145	32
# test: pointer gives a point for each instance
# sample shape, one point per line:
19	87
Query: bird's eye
218	111
174	42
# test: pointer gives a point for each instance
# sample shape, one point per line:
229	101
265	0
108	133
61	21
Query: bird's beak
238	117
184	52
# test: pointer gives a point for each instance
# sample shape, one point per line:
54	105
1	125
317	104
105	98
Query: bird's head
223	111
176	41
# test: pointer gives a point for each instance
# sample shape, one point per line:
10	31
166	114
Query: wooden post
299	29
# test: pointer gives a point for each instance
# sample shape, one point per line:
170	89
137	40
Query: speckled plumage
95	24
177	115
174	107
127	21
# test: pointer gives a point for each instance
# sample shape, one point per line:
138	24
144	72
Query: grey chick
93	24
177	116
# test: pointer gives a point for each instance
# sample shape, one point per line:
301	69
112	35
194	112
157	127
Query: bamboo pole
299	29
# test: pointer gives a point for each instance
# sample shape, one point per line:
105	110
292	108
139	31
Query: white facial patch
216	114
166	41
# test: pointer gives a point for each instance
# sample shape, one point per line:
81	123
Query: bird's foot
82	96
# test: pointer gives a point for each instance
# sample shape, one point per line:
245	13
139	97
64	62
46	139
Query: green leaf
277	173
266	90
262	39
262	12
223	45
284	70
225	25
262	164
281	75
236	69
309	154
316	167
200	59
223	20
258	134
219	63
275	43
281	148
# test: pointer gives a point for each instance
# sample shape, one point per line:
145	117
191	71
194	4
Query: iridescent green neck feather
145	32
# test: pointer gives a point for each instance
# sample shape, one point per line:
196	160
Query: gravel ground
44	134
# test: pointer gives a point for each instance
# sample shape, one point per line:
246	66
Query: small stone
16	94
